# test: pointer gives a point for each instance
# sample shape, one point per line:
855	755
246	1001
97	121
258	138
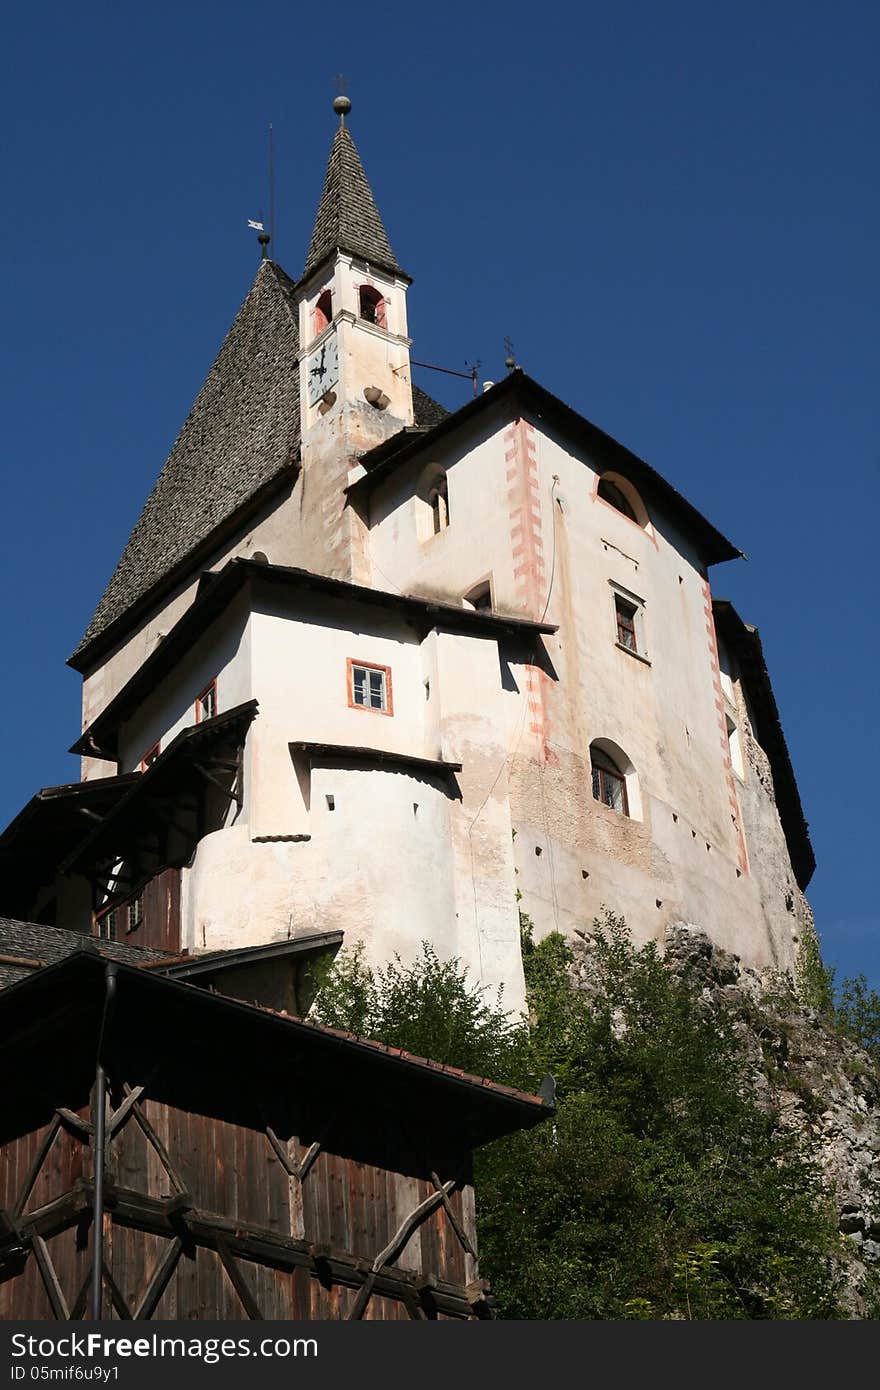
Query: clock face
323	369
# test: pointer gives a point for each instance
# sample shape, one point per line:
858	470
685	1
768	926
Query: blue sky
672	210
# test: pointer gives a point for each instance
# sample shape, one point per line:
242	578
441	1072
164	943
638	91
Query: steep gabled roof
68	997
240	441
242	432
347	217
523	392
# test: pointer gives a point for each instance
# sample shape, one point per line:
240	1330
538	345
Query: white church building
372	672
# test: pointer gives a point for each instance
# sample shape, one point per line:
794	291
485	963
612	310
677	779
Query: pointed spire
348	219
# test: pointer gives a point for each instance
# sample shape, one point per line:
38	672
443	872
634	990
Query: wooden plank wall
231	1171
160	927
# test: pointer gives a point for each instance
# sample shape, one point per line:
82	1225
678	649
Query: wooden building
254	1165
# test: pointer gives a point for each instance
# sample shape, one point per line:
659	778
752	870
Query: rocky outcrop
818	1083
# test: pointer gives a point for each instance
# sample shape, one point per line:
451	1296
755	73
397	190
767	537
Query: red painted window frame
210	688
350	663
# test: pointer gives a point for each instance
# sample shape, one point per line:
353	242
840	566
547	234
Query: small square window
206	703
106	925
629	622
369	687
135	912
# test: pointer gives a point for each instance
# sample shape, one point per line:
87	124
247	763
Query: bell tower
355	386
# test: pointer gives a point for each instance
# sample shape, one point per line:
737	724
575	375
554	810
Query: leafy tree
857	1014
660	1189
429	1008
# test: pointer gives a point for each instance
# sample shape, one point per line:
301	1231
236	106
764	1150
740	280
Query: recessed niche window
323	311
620	494
614	779
609	783
438	499
735	745
371	305
432	502
480	597
629	621
206	703
369	687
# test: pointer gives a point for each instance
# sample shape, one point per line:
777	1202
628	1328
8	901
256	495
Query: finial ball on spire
342	106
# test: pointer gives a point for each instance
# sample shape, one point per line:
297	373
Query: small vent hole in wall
675	818
585	873
693	834
331	802
659	902
538	851
739	873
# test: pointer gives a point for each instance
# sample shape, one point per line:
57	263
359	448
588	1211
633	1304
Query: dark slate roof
241	439
35	945
68	998
426	410
347	217
241	434
744	642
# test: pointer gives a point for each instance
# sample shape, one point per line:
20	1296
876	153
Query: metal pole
100	1140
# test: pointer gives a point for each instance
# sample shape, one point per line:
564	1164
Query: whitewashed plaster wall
681	856
221	653
406	854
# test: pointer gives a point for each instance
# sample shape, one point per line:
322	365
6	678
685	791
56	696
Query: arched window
480	597
371	305
614	496
620	494
438	500
431	502
609	780
323	312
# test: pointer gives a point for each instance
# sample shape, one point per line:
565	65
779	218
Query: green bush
659	1189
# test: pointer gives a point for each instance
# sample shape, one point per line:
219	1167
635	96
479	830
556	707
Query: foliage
814	981
857	1014
852	1009
659	1189
429	1008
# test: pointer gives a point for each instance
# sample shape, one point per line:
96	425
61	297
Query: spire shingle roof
242	432
347	218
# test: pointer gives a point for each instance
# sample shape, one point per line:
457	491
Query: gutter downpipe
97	1288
